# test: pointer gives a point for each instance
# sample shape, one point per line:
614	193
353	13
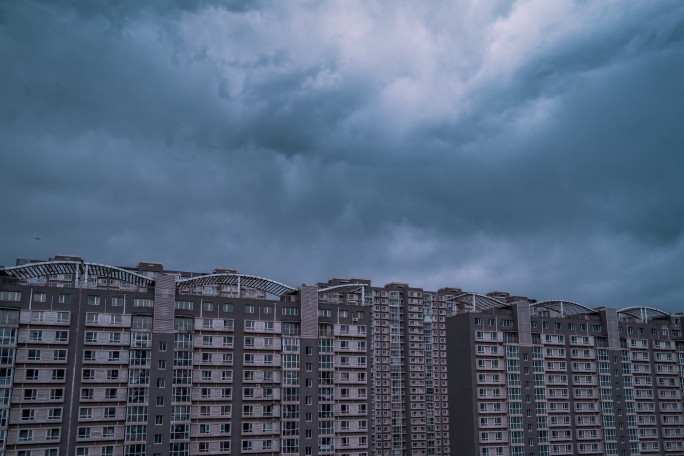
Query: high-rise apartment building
408	352
98	360
142	360
559	378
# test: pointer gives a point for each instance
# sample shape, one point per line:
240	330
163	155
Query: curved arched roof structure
347	287
479	302
564	308
642	313
47	268
250	281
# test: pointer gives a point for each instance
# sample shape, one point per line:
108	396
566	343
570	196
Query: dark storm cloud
525	146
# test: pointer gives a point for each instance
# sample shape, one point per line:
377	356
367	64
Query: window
39	297
138	302
10	296
9	317
290	311
208	289
117	301
142	322
62	336
64	299
86	393
26	435
184	305
93	300
58	374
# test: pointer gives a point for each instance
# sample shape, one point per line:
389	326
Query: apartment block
559	378
99	360
408	351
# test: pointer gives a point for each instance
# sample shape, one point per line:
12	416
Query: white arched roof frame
563	307
241	280
642	312
344	288
77	268
479	302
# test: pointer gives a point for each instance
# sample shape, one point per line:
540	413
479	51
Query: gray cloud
524	146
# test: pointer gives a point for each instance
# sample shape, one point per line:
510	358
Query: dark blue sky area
535	147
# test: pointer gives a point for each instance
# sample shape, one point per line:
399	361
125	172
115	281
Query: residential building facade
98	360
559	378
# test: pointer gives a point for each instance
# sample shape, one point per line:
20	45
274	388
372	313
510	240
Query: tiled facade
97	360
93	365
409	370
557	378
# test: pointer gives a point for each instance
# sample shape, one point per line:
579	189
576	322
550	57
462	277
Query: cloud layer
528	146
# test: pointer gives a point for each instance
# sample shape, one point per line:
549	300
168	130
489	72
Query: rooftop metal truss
76	268
479	302
564	308
241	280
344	288
642	313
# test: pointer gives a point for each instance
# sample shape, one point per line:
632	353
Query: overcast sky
534	147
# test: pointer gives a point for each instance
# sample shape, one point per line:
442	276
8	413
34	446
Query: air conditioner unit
355	320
